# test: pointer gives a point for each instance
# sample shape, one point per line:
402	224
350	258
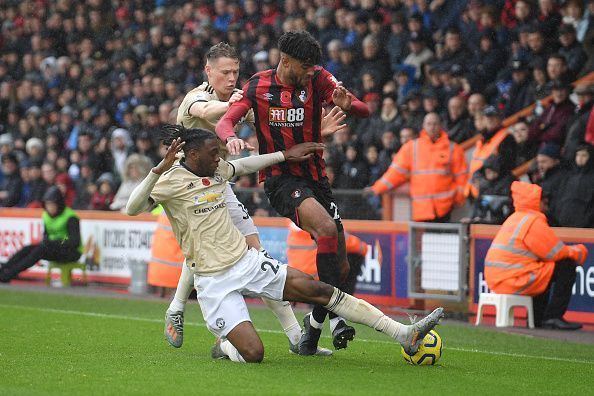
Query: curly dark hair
302	46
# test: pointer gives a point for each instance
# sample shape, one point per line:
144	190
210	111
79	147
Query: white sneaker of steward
294	348
420	329
174	328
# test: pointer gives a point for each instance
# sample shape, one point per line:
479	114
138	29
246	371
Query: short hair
559	56
194	137
302	46
221	50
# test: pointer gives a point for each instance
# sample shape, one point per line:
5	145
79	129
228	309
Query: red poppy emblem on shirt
206	182
285	97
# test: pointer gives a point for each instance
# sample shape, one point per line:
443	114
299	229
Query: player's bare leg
242	344
301	287
314	219
284	312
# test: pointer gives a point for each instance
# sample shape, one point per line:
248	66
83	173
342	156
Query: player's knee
253	354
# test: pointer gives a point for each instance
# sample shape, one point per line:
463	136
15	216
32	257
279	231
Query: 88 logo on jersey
282	117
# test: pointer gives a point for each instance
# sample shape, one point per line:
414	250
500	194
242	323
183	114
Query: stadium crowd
85	87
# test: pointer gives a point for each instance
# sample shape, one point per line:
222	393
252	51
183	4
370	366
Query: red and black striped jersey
286	116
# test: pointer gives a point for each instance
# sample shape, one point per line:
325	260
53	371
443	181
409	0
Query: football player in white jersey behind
202	107
225	269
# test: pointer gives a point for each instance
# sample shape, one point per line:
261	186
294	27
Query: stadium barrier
114	242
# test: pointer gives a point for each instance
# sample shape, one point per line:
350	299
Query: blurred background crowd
86	85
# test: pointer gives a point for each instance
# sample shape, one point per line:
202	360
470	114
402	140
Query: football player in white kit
201	108
225	268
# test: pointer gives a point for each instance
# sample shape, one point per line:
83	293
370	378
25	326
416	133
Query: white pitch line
198	324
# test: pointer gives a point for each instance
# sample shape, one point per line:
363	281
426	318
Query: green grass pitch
52	343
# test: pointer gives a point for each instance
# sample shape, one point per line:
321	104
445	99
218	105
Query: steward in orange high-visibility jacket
302	250
166	261
437	171
526	257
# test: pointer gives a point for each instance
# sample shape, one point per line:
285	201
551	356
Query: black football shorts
287	192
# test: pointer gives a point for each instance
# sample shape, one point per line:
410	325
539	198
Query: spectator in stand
38	186
145	146
551	126
120	149
397	41
374	61
458	124
85	186
495	140
557	69
64	183
454	50
34	149
519	92
571	50
12	184
436	169
137	166
538	51
549	18
104	195
6	144
406	134
486	62
579	122
575	206
526	148
353	175
539	86
552	175
493	204
347	71
418	54
389	146
476	104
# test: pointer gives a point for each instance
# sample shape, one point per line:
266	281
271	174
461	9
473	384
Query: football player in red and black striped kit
287	103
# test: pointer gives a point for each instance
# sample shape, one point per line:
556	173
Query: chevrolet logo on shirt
207	197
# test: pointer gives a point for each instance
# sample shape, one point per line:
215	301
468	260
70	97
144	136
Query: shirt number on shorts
273	267
335	208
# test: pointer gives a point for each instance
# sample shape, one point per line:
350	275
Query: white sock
232	352
334	323
184	288
360	311
285	315
314	323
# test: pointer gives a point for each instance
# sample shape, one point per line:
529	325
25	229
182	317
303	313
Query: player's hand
236	97
368	192
235	145
302	151
332	121
170	157
341	98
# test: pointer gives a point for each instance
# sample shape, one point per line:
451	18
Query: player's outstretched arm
140	200
297	153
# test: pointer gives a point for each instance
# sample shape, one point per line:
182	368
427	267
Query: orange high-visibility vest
522	257
482	151
302	249
437	172
166	262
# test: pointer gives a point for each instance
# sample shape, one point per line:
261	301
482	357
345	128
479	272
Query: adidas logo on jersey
190	186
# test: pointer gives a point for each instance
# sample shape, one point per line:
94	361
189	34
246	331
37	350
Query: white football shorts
239	214
221	297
